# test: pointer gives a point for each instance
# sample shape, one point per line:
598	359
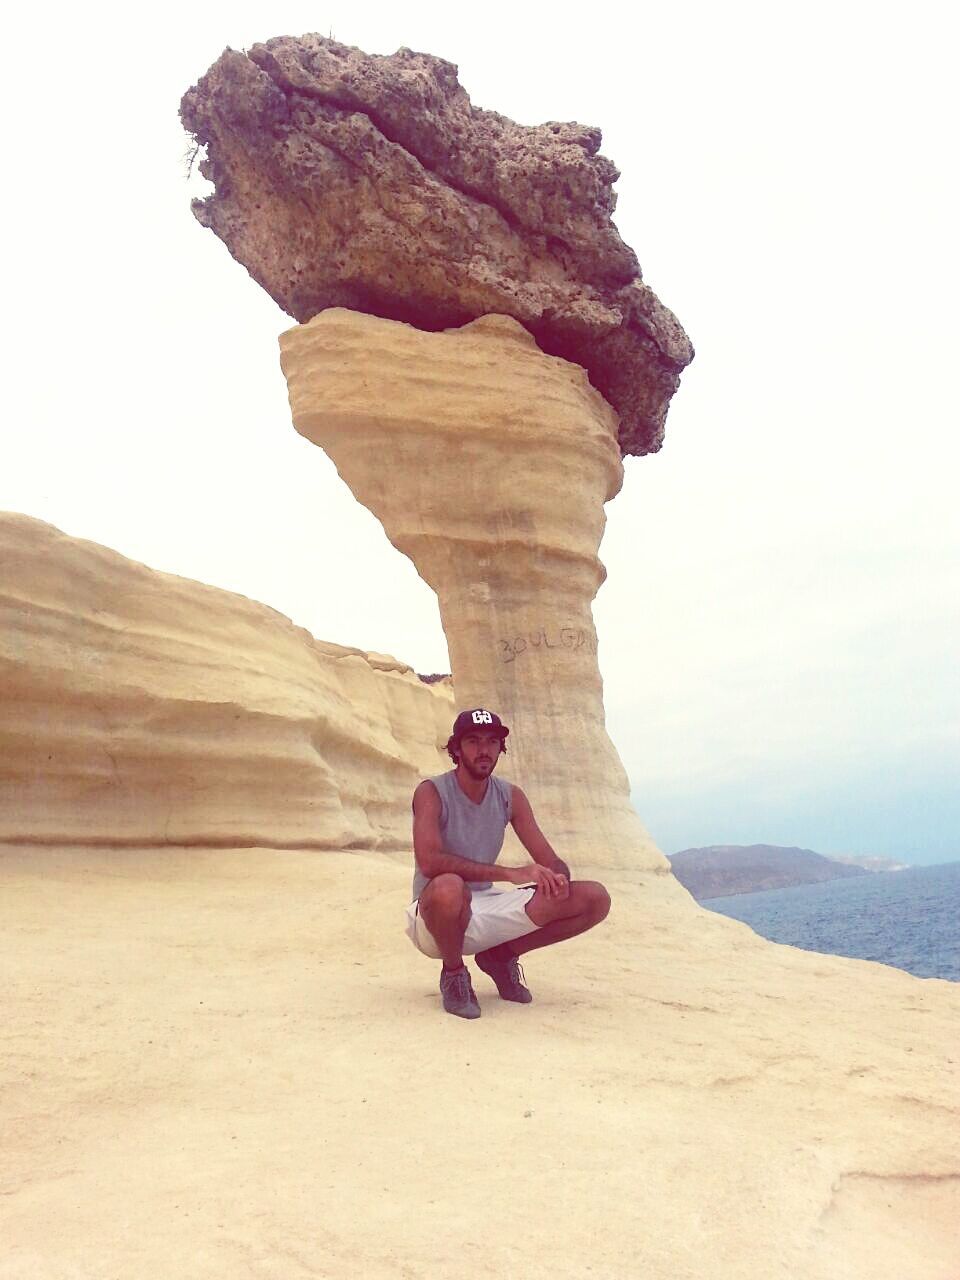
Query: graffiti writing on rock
570	638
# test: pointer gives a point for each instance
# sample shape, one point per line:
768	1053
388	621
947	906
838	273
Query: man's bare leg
586	905
445	907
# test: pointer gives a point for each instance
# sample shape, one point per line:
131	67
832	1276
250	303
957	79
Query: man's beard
478	775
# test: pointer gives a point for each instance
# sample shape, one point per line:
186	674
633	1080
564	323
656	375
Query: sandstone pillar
488	464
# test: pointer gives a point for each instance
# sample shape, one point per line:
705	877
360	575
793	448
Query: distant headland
721	870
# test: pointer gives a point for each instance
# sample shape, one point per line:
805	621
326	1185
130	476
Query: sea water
909	919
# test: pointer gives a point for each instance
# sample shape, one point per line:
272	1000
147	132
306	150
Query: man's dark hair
453	743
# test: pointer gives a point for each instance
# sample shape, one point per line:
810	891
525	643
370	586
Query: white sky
780	627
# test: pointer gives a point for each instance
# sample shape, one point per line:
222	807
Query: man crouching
459	820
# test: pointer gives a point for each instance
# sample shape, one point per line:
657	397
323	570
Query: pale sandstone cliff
141	708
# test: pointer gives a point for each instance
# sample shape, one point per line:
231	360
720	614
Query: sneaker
504	968
457	991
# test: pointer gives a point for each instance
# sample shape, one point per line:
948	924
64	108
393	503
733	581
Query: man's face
479	752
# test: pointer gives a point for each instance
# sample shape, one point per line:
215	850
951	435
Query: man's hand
553	884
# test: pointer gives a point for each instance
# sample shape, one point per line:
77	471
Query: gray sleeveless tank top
473	831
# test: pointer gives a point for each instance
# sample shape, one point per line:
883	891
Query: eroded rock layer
489	464
141	708
349	180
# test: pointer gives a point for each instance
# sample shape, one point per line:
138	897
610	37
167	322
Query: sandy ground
233	1063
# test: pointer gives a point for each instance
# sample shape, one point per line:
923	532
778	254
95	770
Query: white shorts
496	915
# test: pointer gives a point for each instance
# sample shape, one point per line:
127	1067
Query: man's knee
587	900
596	900
446	894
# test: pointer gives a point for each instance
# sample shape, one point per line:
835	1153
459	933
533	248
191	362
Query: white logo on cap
482	717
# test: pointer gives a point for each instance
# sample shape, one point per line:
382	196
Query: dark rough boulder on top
369	182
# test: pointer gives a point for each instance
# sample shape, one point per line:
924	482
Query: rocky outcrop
140	708
372	183
488	464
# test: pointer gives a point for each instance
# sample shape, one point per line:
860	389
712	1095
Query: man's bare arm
532	838
433	859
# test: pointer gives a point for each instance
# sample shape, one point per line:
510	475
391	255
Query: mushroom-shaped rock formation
488	464
372	183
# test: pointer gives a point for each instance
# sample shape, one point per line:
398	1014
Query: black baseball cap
476	720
